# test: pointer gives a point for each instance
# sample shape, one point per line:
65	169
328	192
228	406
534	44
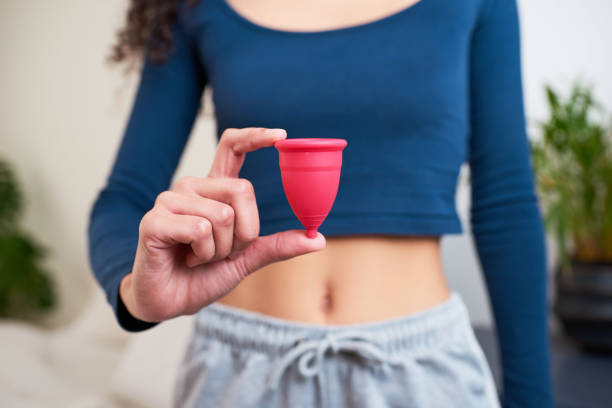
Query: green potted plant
573	165
25	287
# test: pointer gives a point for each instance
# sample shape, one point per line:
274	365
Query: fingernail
323	238
276	133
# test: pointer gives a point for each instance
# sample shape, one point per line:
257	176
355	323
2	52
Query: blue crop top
416	94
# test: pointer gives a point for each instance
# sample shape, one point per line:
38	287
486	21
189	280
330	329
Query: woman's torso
356	278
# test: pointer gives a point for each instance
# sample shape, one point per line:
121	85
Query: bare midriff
354	279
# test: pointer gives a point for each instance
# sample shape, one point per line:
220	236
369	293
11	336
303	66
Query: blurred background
63	110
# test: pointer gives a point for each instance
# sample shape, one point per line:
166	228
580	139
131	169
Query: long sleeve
164	110
505	216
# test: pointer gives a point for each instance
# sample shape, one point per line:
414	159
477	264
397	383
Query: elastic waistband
432	327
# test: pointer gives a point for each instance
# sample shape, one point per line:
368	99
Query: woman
361	315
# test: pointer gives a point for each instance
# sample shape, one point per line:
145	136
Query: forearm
113	238
511	247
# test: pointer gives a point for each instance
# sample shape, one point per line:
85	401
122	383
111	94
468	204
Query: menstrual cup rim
310	144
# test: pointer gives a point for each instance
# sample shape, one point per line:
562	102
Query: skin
315	15
200	243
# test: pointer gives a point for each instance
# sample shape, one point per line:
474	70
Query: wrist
127	296
125	292
127	318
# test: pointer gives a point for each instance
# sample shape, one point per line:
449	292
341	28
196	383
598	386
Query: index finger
235	143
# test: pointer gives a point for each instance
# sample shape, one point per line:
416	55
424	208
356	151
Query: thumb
278	247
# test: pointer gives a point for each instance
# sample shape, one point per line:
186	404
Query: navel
327	302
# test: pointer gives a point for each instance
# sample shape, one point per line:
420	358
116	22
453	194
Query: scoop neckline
355	27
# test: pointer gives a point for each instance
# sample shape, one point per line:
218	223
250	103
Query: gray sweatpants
238	358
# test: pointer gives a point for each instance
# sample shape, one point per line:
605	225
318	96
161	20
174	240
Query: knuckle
203	228
225	215
279	249
163	199
184	183
142	227
227	133
244	188
149	223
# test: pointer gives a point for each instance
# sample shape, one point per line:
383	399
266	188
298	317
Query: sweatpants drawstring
312	352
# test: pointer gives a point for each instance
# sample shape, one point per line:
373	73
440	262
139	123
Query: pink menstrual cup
310	170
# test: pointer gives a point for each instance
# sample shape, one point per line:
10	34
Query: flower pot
583	304
310	171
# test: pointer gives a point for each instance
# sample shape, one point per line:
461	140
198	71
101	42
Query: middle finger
220	215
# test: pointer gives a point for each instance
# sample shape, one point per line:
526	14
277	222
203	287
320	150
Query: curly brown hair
148	24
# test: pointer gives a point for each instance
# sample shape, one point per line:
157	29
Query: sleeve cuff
129	322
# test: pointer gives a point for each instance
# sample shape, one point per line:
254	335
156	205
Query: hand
202	237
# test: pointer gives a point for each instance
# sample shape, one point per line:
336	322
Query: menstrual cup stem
311	233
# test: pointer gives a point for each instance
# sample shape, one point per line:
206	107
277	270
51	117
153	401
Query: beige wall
63	110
